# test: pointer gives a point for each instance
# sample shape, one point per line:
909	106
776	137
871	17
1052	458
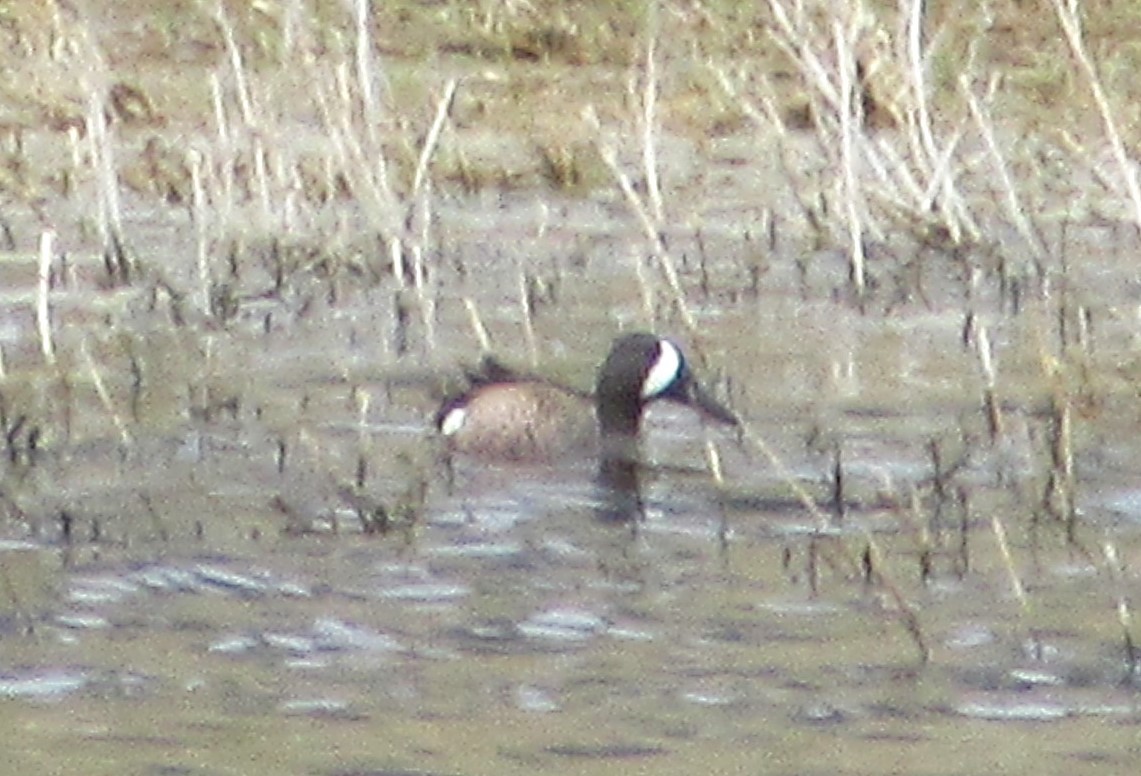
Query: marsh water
229	544
189	590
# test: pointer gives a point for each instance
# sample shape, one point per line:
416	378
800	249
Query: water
217	602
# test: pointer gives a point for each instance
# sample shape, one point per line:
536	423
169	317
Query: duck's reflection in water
620	491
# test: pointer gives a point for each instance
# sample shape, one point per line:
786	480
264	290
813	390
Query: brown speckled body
527	420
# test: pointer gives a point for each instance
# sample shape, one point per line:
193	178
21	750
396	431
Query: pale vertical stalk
76	155
244	101
220	122
428	305
1008	560
713	461
110	221
1067	11
43	311
418	246
528	317
477	325
396	254
262	177
362	399
847	156
424	239
986	357
990	394
649	119
443	108
914	10
200	215
369	102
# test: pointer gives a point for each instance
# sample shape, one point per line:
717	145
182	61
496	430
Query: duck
504	416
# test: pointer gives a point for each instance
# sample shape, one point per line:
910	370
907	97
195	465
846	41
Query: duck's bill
698	398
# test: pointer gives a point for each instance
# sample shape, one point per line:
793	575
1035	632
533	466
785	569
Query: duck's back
527	420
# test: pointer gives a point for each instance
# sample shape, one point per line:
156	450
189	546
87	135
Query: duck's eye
664	372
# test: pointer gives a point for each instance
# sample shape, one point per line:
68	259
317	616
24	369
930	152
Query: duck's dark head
642	368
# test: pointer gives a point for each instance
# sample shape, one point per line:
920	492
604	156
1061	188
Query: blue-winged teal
508	417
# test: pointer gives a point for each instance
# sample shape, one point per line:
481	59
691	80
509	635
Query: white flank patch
664	371
453	421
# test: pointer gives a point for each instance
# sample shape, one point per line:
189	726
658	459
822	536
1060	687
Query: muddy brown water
187	590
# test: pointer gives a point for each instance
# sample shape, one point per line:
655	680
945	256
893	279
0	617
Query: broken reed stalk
43	309
104	395
1014	209
756	441
1068	12
432	140
1008	562
1015	580
990	397
874	565
477	325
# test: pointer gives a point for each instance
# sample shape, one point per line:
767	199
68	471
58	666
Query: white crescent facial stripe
664	370
453	421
